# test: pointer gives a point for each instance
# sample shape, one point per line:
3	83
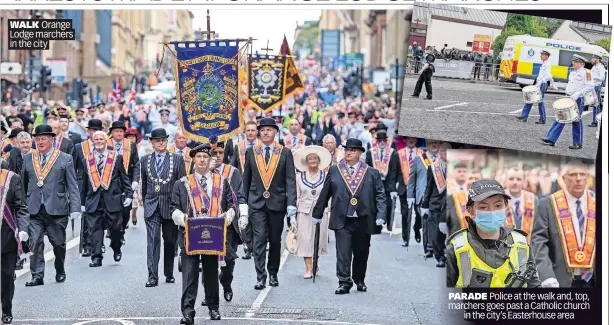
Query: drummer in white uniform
597	77
578	85
544	79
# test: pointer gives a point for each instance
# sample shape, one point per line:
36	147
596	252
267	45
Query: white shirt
208	179
180	151
571	201
264	146
121	145
98	158
513	202
598	74
545	73
413	153
578	85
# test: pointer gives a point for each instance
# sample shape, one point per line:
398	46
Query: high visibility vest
467	260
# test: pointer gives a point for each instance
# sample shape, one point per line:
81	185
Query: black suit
266	215
17	205
67	146
157	210
103	208
235	161
133	176
352	234
15	161
228	152
75	137
81	172
190	263
435	202
390	181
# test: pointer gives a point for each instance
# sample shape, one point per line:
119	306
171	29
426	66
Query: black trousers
267	227
437	239
425	79
99	221
426	234
170	232
388	210
55	227
7	284
226	272
189	286
248	238
125	219
87	245
583	284
405	215
352	241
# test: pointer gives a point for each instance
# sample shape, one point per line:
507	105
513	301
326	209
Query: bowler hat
267	121
353	143
205	147
117	125
94	124
43	129
158	134
15	132
381	135
66	116
381	126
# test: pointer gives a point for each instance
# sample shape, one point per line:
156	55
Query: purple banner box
206	236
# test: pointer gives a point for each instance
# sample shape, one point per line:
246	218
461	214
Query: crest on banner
266	81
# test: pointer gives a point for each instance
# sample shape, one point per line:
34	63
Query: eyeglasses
164	115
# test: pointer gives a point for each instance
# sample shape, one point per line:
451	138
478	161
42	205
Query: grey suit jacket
546	245
60	190
417	180
153	200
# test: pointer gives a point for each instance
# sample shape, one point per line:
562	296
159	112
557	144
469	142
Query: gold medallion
266	194
39	184
580	257
157	188
353	201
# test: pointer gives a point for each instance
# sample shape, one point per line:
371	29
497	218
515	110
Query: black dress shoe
96	262
7	319
593	125
405	243
228	294
35	282
342	290
540	122
187	320
415	96
117	257
428	98
273	282
362	287
151	283
247	256
204	303
575	146
61	277
521	119
548	142
215	315
19	265
86	253
170	279
441	264
429	254
260	285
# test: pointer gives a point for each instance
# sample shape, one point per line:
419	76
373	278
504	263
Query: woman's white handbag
292	242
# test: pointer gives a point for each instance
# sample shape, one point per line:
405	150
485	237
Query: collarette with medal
353	181
267	171
42	173
96	179
156	180
311	185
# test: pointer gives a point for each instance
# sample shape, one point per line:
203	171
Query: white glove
410	202
135	185
380	222
550	283
316	221
394	196
243	210
443	227
424	211
178	218
291	211
75	215
229	216
243	222
23	236
127	202
293	224
82	208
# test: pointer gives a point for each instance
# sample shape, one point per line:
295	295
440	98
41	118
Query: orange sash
226	171
187	161
577	254
267	172
201	203
439	175
526	225
107	172
381	165
460	204
126	144
42	173
58	141
300	143
85	147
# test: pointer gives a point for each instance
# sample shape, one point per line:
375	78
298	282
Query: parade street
403	288
485	114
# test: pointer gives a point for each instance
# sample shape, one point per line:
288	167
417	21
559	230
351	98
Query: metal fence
456	69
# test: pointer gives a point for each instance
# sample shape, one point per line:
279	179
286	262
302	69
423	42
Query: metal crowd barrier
456	69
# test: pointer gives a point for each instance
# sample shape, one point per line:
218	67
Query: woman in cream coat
311	161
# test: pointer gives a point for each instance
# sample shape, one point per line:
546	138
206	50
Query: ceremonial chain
312	186
157	180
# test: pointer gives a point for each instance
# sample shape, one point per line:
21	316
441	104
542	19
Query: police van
520	59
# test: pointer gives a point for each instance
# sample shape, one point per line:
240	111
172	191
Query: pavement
403	288
485	114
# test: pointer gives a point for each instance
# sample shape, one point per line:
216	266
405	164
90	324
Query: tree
605	43
518	24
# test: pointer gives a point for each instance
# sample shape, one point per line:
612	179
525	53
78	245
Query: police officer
425	75
486	253
597	77
577	86
544	79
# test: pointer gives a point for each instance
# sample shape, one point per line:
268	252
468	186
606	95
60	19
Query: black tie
118	148
267	155
352	171
44	160
203	183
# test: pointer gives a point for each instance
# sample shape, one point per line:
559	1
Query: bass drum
566	110
590	99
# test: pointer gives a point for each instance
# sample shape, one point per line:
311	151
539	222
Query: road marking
48	256
122	320
516	111
260	299
485	113
447	106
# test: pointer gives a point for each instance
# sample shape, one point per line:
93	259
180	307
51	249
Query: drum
598	125
531	95
590	99
566	110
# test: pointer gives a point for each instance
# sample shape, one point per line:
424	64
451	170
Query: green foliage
307	37
605	43
518	24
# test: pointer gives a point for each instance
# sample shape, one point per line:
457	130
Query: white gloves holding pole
243	220
178	218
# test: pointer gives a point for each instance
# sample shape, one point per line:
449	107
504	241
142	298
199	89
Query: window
418	30
469	44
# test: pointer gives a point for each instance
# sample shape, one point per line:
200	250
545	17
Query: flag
293	81
117	92
266	81
132	100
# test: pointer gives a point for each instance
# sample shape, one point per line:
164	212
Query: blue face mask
490	221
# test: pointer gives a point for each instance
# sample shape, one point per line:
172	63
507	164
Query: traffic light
46	78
